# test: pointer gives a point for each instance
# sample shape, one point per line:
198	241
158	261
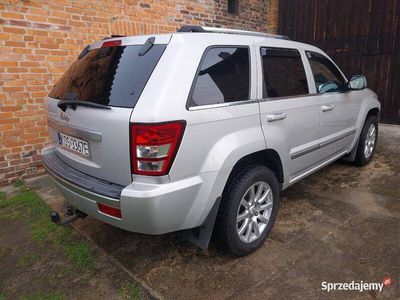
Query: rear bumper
149	208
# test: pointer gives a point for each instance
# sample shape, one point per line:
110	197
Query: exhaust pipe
71	215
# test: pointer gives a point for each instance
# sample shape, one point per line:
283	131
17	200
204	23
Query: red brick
13	30
19	23
14	44
5	63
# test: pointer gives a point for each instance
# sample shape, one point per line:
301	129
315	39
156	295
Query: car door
289	113
338	110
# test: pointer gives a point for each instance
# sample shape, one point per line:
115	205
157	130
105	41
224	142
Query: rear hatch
90	106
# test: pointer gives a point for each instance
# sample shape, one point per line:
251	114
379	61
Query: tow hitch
71	214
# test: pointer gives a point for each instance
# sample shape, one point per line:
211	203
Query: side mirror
358	82
327	87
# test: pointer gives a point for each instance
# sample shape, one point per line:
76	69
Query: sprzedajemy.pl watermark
359	286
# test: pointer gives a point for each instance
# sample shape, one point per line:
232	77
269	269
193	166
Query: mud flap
350	157
201	236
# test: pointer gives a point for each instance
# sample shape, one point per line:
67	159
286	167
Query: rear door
289	114
96	140
338	110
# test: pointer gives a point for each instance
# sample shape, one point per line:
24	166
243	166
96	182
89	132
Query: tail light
154	146
109	44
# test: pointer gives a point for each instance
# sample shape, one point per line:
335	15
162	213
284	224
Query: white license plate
74	144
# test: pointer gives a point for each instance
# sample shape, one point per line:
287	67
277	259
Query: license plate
74	144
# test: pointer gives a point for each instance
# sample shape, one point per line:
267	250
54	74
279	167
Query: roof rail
113	36
195	28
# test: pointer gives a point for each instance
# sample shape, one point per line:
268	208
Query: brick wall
39	39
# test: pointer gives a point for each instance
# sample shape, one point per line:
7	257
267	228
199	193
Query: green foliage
18	183
131	291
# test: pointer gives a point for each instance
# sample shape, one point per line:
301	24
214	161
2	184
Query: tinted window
112	76
284	73
324	70
224	76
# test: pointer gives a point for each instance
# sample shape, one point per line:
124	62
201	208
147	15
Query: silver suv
200	130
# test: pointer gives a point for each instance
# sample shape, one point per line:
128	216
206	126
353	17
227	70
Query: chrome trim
324	163
276	117
304	151
81	192
321	145
86	134
225	104
288	97
335	139
327	107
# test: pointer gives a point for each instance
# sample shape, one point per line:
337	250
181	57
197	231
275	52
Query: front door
338	110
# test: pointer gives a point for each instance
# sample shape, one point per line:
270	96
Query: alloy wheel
254	212
370	141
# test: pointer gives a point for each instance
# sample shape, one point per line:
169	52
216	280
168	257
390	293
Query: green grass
27	260
131	291
28	206
43	296
80	253
18	183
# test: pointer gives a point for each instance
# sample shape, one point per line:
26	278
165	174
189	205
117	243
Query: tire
226	232
363	157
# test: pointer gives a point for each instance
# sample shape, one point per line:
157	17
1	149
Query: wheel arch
374	111
268	157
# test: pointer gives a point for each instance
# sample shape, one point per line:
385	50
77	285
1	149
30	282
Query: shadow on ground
338	225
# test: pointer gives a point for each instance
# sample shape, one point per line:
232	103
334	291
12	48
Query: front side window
224	76
324	71
283	73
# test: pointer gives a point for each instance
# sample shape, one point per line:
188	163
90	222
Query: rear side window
324	70
283	72
114	76
223	76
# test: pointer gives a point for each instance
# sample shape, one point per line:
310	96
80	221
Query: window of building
233	7
283	73
324	70
224	76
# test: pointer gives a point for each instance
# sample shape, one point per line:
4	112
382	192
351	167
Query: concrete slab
338	225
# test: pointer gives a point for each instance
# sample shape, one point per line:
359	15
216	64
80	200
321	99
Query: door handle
327	107
276	117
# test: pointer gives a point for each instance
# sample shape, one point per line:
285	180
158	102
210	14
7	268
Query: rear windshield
113	76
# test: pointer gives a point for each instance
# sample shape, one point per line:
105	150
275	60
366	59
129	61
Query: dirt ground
40	260
338	225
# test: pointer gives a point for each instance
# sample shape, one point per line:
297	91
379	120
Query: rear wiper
147	46
63	104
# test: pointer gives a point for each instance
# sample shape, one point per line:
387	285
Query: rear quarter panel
214	138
